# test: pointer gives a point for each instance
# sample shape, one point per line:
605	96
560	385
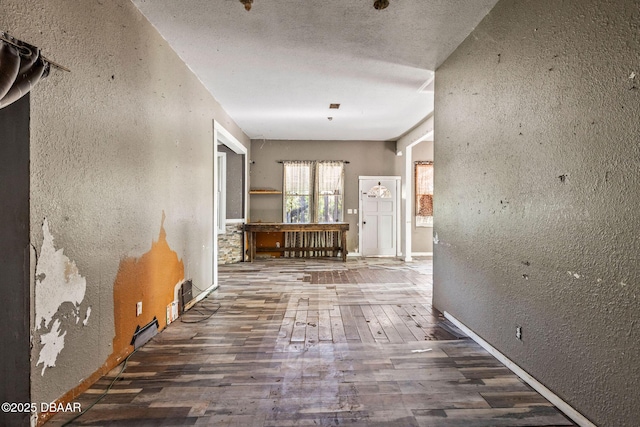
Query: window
379	191
297	191
424	194
313	191
329	184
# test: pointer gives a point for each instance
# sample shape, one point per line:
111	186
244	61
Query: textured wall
365	157
14	257
122	141
537	178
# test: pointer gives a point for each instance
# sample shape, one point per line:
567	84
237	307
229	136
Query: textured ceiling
276	68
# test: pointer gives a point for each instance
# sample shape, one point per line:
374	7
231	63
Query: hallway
315	342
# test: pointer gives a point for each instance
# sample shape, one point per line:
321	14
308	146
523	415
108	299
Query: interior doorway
379	216
230	192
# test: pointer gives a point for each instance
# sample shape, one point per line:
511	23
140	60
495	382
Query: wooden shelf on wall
264	191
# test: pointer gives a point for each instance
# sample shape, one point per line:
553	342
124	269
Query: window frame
423	193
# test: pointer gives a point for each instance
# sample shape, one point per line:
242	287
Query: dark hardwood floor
316	343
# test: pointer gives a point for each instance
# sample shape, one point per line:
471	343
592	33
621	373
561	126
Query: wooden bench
276	227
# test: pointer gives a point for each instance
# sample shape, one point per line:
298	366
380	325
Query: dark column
14	259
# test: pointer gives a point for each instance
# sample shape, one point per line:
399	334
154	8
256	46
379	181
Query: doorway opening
230	186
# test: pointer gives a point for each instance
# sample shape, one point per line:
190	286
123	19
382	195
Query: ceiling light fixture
381	4
247	4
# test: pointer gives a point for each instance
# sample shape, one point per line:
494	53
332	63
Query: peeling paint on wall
571	273
58	282
151	279
86	317
52	344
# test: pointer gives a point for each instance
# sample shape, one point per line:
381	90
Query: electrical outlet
519	332
138	308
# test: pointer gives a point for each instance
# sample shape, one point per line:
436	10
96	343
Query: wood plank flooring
316	343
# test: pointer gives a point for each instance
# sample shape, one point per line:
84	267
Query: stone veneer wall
230	245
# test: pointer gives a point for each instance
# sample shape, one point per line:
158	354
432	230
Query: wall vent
186	294
145	333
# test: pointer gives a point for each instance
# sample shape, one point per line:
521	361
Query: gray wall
14	258
235	183
121	168
365	157
536	208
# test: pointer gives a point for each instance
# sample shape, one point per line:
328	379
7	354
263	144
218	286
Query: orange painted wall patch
151	279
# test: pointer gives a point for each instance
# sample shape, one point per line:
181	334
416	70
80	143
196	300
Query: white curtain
329	191
297	192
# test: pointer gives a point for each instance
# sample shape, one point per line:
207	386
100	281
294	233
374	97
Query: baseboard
40	418
358	254
202	295
563	406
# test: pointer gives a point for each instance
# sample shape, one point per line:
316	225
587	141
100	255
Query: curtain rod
7	39
343	161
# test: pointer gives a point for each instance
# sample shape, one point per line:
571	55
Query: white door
378	216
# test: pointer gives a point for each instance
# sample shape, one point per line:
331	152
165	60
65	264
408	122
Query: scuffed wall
150	279
537	171
366	158
123	137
